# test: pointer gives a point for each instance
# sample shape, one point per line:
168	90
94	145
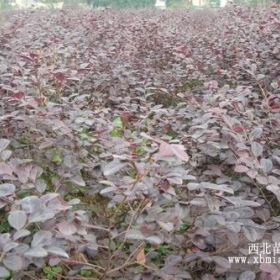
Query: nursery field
140	145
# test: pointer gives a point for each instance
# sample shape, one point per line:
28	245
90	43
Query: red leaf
60	77
18	95
195	250
241	168
275	108
126	117
238	129
168	150
5	169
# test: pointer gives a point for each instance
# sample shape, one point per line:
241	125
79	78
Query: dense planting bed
139	145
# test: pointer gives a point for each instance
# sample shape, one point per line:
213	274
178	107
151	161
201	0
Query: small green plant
140	149
183	228
56	157
118	128
86	273
49	177
23	194
132	173
73	189
84	135
164	250
51	272
33	228
4	225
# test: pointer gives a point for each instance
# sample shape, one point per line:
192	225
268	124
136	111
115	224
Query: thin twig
108	270
92	266
120	267
96	227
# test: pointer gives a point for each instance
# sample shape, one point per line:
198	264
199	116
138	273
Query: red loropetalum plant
139	144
